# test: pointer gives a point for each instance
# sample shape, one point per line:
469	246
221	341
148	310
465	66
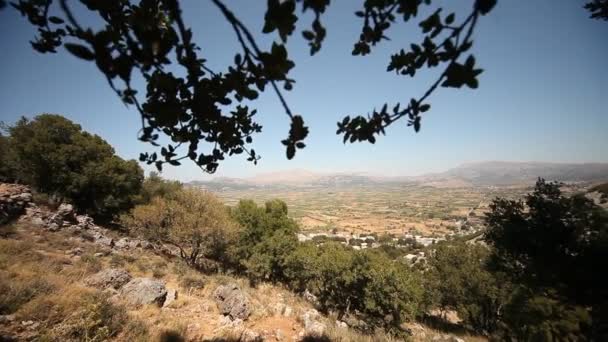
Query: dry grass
41	283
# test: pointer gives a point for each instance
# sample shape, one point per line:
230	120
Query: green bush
533	317
458	279
348	281
58	158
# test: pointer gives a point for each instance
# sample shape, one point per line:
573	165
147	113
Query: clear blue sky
543	95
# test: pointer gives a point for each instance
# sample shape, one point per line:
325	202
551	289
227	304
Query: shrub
58	158
348	281
268	237
195	222
458	279
532	317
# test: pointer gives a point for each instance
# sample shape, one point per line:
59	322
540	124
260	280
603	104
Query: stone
22	197
84	221
66	212
109	278
227	322
122	243
171	297
311	325
232	301
53	226
75	251
309	296
104	241
38	221
142	291
248	335
7	318
341	324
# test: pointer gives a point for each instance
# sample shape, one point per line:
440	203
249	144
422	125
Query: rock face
141	291
110	278
232	301
14	198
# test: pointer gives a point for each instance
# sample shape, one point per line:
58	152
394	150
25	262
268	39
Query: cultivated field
398	209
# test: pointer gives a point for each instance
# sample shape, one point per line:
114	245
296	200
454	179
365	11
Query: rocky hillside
64	278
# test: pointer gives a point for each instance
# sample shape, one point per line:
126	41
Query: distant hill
491	173
514	173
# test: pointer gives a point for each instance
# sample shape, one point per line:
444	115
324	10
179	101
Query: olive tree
195	222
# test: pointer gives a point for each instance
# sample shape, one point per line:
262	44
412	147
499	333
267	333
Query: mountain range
491	173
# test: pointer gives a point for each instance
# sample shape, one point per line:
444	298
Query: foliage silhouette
598	9
552	246
198	106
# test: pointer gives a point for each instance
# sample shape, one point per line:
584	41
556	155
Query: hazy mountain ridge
491	173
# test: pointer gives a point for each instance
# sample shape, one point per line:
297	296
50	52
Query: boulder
66	212
109	278
232	301
75	251
141	291
171	297
122	243
311	324
248	335
84	221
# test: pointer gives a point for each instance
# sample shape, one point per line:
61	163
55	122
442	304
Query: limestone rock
171	297
232	301
311	324
109	278
141	291
66	212
249	335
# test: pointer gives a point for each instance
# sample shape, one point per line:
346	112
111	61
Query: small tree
195	222
260	224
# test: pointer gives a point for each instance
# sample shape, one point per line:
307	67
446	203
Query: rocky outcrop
231	301
110	278
14	198
142	291
312	326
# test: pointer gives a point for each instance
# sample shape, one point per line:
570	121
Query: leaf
291	151
449	19
56	20
308	35
485	6
80	51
